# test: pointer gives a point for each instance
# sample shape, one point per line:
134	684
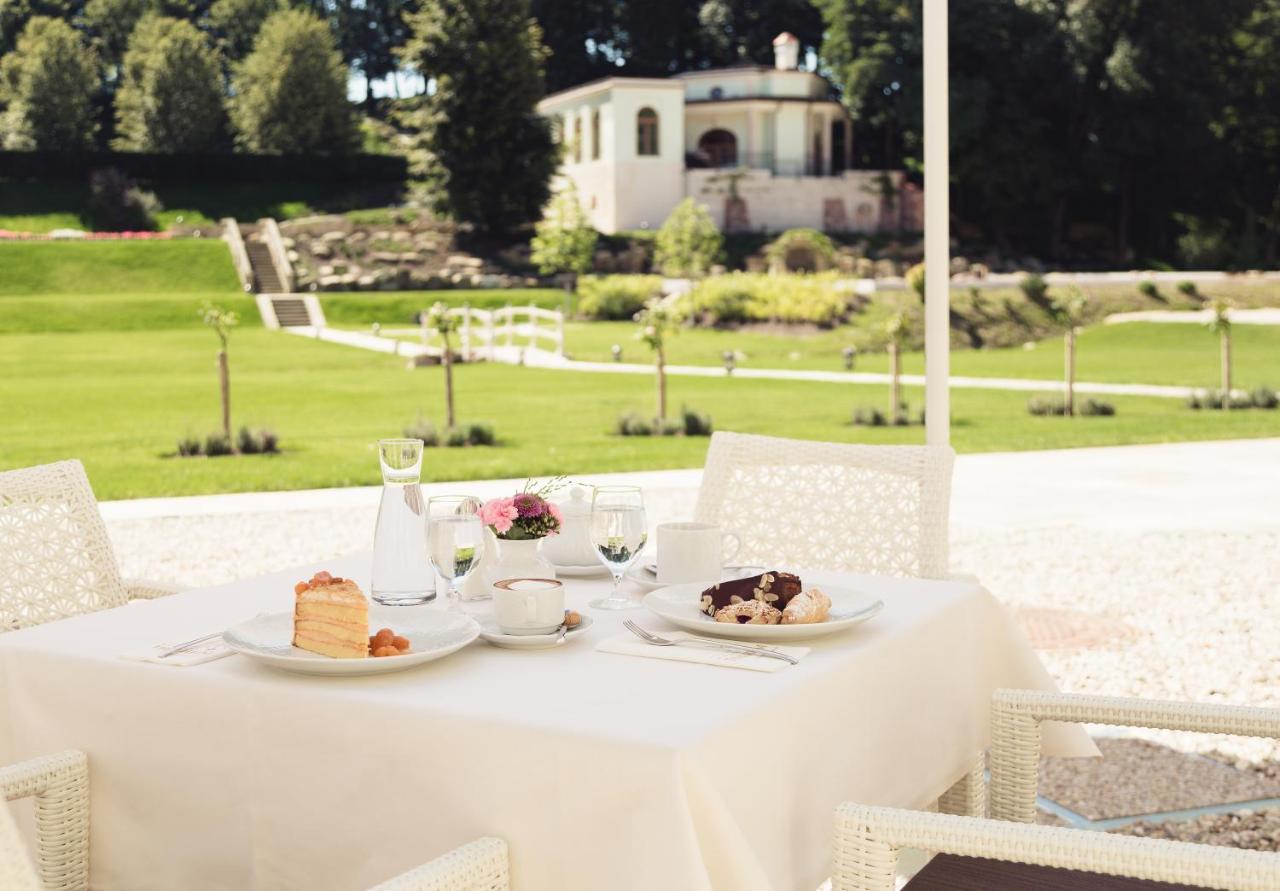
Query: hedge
209	167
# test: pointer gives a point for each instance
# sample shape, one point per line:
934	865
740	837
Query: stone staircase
291	312
265	278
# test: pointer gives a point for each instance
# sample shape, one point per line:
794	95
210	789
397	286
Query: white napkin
196	655
630	645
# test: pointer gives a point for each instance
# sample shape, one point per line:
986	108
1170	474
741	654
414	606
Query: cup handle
737	546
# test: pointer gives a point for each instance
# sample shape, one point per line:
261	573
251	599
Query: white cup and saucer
689	553
527	614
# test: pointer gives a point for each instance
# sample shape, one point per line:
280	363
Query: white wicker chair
58	558
60	785
867	839
882	510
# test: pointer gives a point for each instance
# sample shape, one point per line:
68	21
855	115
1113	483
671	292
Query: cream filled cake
331	617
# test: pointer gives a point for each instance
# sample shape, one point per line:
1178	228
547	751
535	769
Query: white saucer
645	575
490	632
580	571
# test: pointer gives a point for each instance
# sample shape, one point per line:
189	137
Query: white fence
496	335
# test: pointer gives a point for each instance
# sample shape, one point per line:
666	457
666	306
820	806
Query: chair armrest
60	785
867	841
148	589
480	865
1016	716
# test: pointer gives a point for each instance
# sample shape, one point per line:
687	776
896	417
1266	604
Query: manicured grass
1137	352
79	268
363	308
120	400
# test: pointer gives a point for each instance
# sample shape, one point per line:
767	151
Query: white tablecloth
601	770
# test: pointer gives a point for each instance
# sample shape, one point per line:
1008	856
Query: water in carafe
402	573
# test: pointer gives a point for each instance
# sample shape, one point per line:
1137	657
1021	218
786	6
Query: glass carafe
402	574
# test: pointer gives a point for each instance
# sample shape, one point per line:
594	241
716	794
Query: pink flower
529	505
554	510
499	513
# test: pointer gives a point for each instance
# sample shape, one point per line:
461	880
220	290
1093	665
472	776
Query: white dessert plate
490	632
580	571
432	633
678	604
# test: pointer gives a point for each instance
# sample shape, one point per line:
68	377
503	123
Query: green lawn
120	400
81	268
1138	352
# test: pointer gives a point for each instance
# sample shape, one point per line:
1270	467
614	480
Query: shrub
688	243
915	279
869	417
1054	406
1216	399
616	297
262	442
747	296
116	204
472	435
423	430
1264	397
1034	287
1149	290
695	424
818	246
632	424
455	437
1188	289
215	445
189	447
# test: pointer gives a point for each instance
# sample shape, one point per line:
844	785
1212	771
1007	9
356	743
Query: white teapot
572	547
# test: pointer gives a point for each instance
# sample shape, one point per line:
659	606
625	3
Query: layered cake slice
331	617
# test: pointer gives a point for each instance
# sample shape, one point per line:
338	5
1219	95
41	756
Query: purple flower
530	505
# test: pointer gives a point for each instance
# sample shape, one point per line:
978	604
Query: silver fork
186	645
658	640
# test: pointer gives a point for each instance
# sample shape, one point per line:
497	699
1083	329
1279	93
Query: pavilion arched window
595	135
647	132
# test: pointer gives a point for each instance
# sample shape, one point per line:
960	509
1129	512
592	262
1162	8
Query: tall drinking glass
401	572
618	533
455	540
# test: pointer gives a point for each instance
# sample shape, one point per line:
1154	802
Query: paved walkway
536	358
1265	316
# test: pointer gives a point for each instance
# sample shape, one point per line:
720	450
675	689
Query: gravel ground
1255	830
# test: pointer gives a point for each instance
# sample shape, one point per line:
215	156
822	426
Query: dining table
601	770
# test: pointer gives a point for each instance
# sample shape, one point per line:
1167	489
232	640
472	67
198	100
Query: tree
14	15
290	92
440	320
235	24
170	97
688	242
482	150
221	321
1220	324
564	240
1069	311
578	36
895	331
110	24
47	86
658	320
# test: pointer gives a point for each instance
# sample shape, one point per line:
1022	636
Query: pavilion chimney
786	52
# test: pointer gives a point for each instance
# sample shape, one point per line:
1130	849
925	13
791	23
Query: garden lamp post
850	355
616	349
729	361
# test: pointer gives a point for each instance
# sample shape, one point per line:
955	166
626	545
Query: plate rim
321	666
874	606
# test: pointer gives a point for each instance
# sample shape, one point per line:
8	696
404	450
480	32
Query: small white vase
517	560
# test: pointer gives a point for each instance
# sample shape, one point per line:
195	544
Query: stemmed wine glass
618	533
455	540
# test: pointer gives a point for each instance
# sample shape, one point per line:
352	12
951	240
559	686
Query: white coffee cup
528	606
693	552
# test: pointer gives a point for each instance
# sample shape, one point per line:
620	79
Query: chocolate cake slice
774	588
